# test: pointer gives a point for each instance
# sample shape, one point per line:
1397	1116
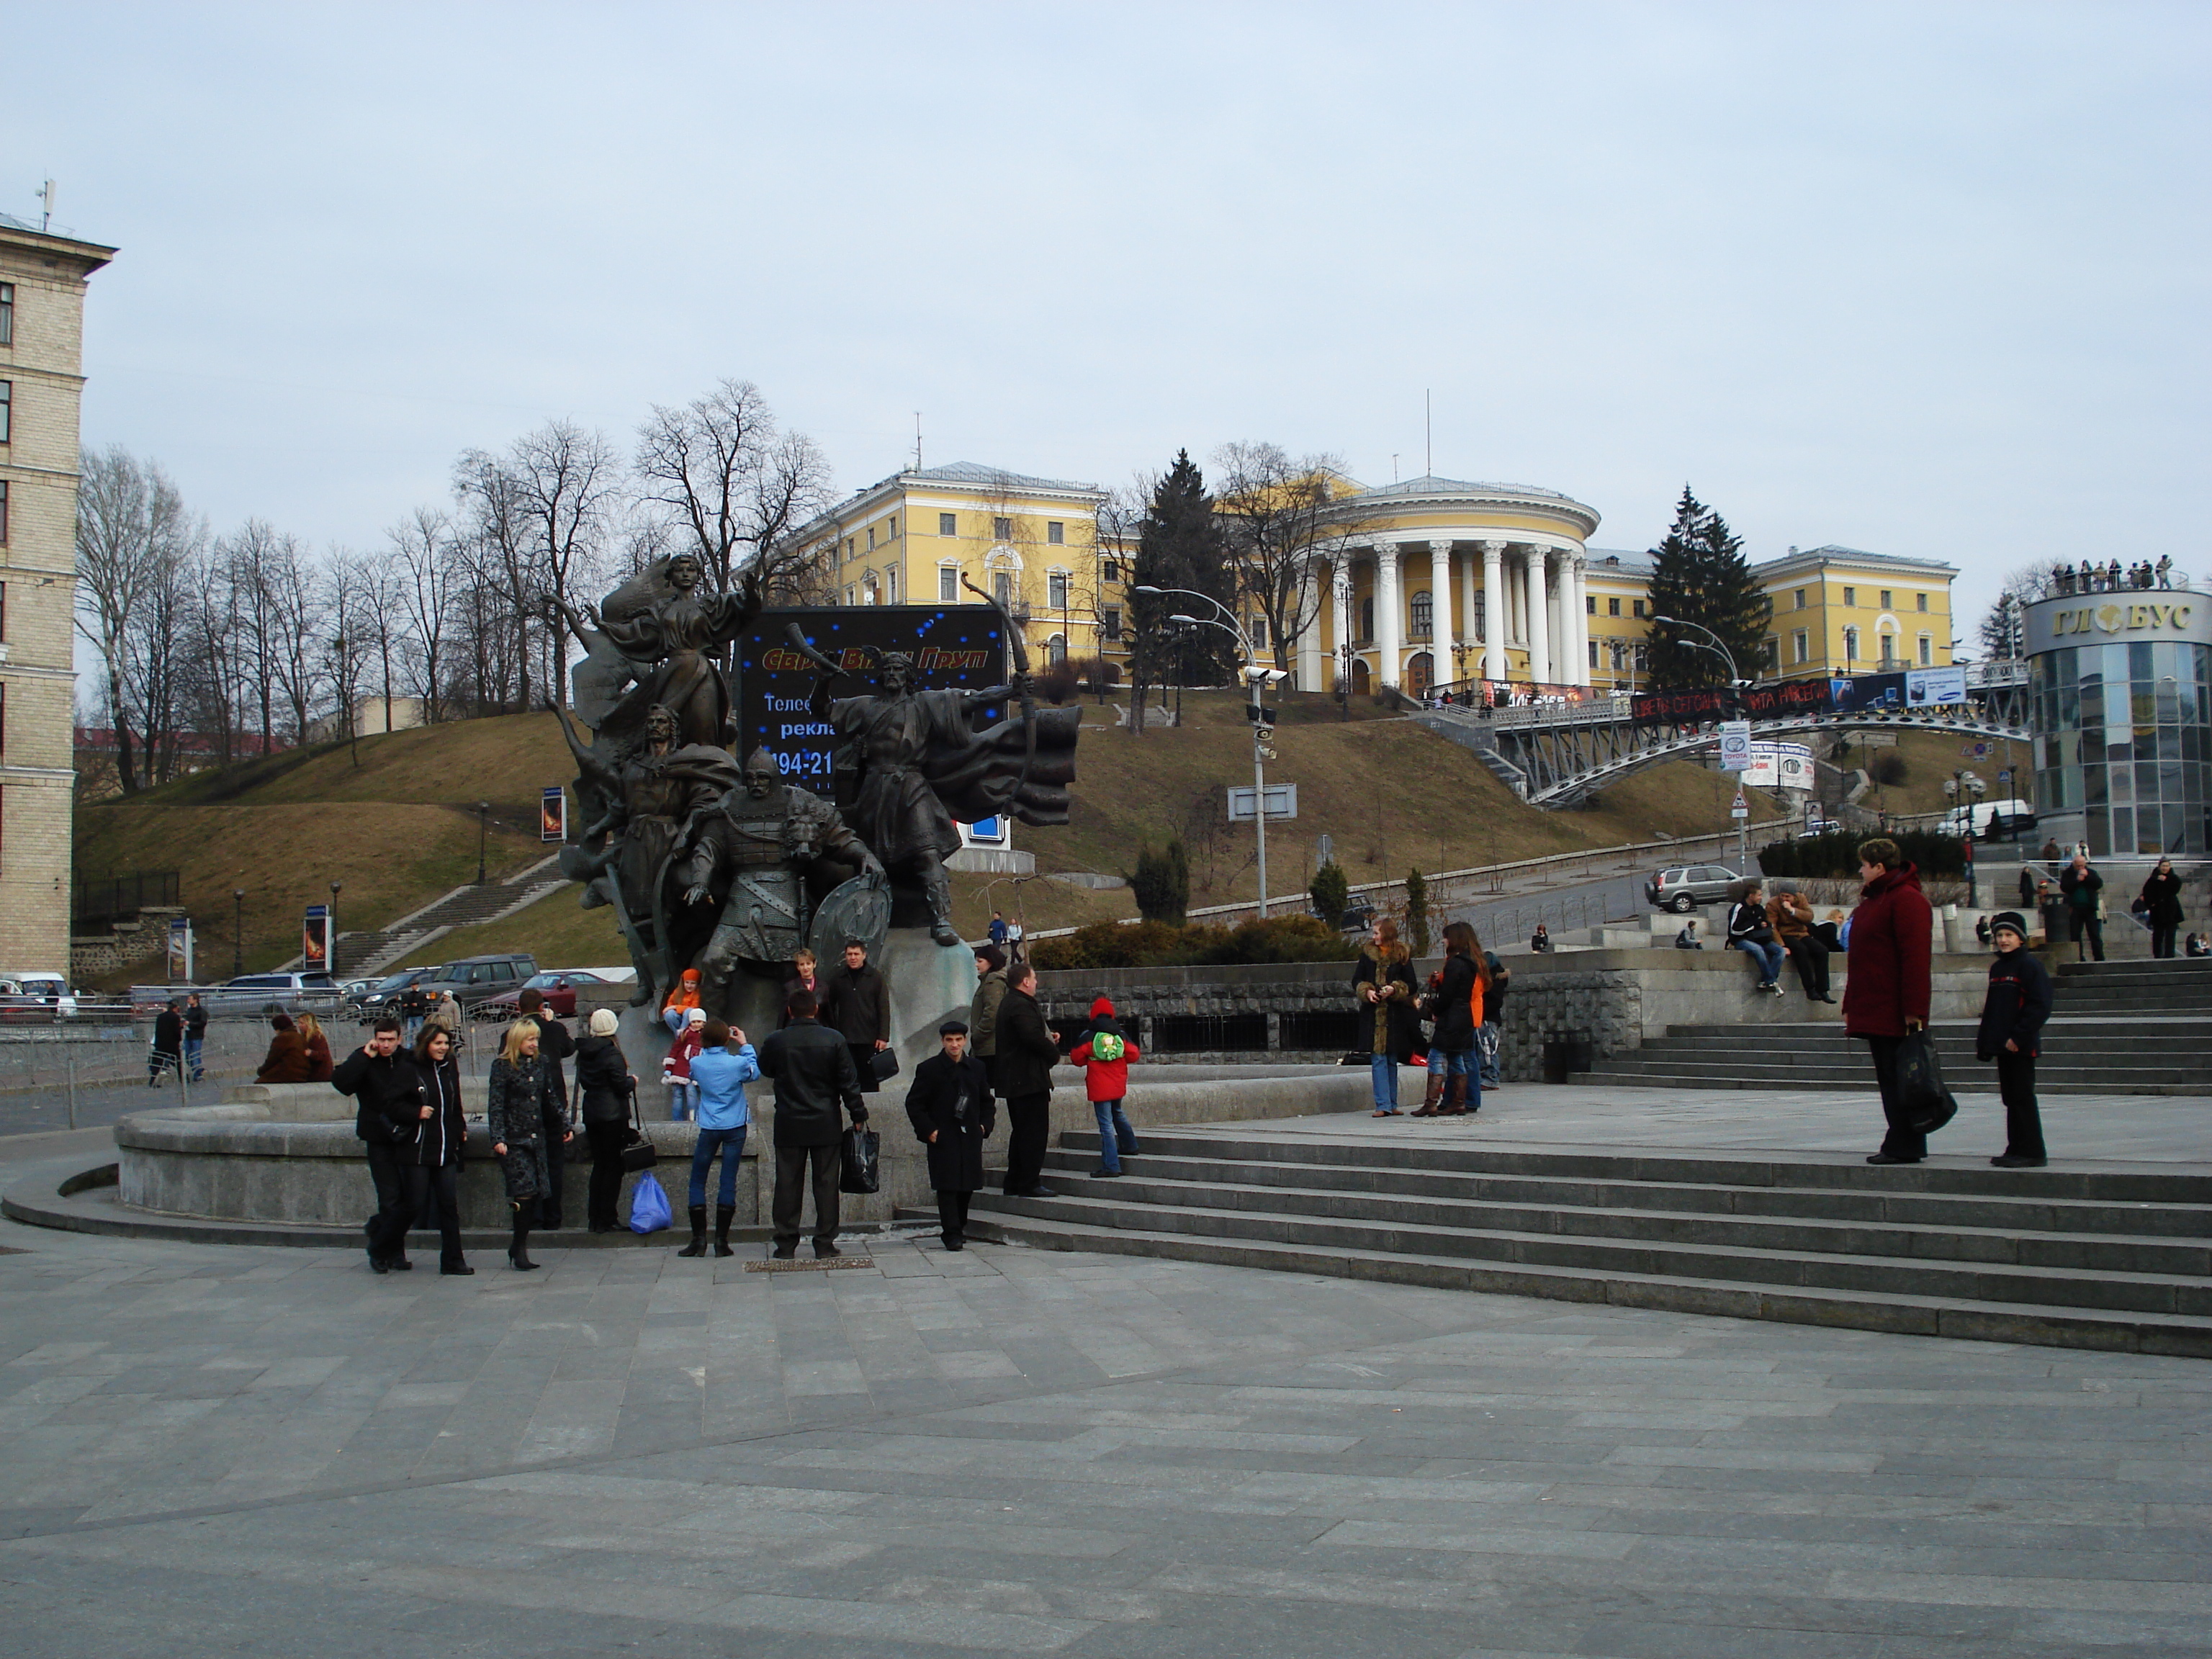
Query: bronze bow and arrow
1022	675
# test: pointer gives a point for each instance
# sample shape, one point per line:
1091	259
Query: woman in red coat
1886	995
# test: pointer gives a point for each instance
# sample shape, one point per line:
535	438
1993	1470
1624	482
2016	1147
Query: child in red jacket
1104	1056
676	1069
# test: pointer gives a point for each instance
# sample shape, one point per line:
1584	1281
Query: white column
1539	609
1389	635
1465	613
1579	565
1310	665
1339	591
1440	612
1517	584
1497	609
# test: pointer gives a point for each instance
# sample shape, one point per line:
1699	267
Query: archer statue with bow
918	762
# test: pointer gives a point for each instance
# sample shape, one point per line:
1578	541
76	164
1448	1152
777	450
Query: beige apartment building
42	283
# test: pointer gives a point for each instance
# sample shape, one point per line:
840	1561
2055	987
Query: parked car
383	997
51	991
558	987
1684	889
472	979
253	993
1987	819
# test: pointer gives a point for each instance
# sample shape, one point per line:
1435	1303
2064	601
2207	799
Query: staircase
1476	737
2117	1028
2109	1259
364	954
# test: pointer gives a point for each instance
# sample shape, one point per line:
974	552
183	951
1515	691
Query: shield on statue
859	908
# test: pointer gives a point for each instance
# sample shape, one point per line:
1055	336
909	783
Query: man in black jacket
856	1003
2084	891
814	1075
386	1113
1026	1053
168	1044
2013	1014
196	1035
553	1045
951	1108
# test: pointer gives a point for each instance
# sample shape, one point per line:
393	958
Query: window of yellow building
891	585
1055	590
948	524
894	526
1613	607
1923	599
948	584
872	538
1639	607
1002	529
1109	622
1885	599
1801	605
1851	597
1801	645
1851	641
1590	603
1055	532
1927	652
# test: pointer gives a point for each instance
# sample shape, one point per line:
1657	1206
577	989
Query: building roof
988	478
1832	553
9	221
1435	486
1619	561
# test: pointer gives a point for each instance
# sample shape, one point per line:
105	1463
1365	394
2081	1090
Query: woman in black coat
604	1084
2162	898
1382	987
950	1105
522	1082
432	1165
1459	1013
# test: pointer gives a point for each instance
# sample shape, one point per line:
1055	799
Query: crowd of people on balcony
2088	578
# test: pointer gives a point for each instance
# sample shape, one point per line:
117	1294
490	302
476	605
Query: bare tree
430	570
568	481
495	542
733	487
1278	516
134	540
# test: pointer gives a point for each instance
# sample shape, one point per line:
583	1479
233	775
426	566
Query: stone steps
2102	1258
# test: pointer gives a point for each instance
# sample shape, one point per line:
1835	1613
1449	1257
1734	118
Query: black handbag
859	1172
638	1153
1927	1104
884	1064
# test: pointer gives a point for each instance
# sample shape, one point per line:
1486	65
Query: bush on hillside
1161	883
1161	945
1889	767
1837	854
1330	892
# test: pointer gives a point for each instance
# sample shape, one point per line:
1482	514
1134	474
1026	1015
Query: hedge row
1836	853
1165	944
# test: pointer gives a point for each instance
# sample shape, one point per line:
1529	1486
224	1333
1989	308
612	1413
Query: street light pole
238	932
483	823
332	963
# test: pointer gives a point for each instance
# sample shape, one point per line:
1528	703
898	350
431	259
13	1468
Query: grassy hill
394	819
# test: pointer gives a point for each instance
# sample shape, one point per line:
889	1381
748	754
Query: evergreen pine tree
1179	545
1161	883
1417	912
1330	892
1701	576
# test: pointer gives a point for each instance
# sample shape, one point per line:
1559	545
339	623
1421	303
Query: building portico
1436	579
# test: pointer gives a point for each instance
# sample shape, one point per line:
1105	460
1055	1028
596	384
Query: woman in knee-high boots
514	1116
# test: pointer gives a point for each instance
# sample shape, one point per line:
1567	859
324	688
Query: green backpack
1106	1045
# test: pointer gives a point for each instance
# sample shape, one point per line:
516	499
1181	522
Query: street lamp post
337	887
483	824
1718	647
1258	680
238	932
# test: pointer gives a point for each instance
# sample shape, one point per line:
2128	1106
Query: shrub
1161	944
1161	883
1417	912
1889	767
1837	854
1330	892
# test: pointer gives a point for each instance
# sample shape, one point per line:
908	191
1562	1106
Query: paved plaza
244	1450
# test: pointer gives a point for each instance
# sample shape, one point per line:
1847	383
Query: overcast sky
1925	279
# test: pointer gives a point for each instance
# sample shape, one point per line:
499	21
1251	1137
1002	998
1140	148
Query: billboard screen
953	647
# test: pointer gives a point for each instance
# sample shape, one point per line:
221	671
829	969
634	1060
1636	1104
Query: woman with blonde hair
514	1116
319	1049
1382	985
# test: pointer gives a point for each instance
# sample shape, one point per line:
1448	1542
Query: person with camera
724	1064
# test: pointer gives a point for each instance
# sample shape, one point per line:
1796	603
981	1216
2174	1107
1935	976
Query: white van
1984	817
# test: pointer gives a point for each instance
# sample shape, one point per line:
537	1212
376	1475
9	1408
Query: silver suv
1684	889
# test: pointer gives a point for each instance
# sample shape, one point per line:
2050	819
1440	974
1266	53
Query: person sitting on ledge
2196	946
1687	940
1540	940
287	1060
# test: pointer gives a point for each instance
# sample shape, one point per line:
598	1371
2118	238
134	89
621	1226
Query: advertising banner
1766	703
1868	691
315	940
1680	707
1779	766
1927	687
953	647
180	950
553	814
1735	745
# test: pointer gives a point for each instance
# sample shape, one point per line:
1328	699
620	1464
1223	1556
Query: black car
383	997
472	979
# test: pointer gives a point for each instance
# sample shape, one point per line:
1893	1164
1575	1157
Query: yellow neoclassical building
1030	542
1413	585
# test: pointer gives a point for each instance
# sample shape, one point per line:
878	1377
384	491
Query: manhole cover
795	1266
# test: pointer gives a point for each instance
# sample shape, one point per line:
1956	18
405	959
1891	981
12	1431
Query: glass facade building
2122	721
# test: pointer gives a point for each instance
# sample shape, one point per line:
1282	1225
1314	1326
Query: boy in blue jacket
2013	1014
724	1064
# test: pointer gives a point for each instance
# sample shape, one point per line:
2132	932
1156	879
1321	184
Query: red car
558	988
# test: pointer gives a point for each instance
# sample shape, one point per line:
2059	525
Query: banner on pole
315	940
1735	745
553	814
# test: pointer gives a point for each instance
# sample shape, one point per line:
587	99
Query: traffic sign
1742	807
1282	803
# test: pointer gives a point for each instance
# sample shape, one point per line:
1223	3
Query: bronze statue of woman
661	629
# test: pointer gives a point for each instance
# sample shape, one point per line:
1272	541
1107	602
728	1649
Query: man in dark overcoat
1027	1053
814	1077
950	1107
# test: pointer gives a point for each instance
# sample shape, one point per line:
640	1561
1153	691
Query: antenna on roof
1428	435
917	440
47	195
1393	469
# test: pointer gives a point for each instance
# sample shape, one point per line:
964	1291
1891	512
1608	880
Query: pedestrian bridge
1557	754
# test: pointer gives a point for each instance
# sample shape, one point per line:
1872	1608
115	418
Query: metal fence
1207	1034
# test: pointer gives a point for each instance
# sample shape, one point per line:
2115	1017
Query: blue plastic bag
648	1206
